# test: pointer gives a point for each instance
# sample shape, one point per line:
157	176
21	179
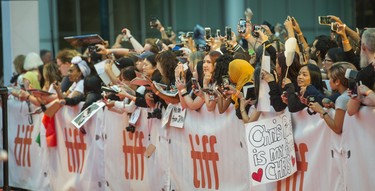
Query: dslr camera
154	114
93	48
130	128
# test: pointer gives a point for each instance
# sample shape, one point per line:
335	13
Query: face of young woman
303	78
148	68
139	65
208	66
327	63
74	73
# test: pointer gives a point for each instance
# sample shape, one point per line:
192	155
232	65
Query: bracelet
325	113
368	92
183	91
345	41
237	93
185	94
300	34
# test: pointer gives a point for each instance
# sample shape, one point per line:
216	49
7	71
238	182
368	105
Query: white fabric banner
27	167
357	152
126	168
77	163
209	153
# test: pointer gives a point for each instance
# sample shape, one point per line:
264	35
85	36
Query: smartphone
195	85
228	33
207	32
255	30
169	31
189	34
324	20
218	33
334	26
351	75
153	22
242	26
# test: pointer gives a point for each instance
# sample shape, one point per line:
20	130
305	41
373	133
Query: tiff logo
133	153
75	148
203	158
22	144
302	165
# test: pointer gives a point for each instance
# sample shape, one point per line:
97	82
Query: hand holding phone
242	26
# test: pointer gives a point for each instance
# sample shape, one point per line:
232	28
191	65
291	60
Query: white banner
77	163
126	167
209	153
26	160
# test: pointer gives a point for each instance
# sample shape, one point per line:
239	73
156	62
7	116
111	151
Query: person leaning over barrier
338	83
366	75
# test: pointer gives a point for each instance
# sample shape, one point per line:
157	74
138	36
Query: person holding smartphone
338	83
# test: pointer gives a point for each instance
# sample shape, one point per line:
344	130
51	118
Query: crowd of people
332	71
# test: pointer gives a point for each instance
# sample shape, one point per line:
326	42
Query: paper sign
99	67
135	116
86	114
271	149
166	115
264	103
178	116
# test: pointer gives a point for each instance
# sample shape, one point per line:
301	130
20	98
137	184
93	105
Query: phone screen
334	26
207	32
324	20
218	33
228	33
242	24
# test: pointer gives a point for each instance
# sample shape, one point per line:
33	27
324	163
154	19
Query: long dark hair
315	76
168	62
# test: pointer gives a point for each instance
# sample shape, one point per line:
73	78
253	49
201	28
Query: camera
154	114
242	26
310	99
92	49
203	47
255	30
153	22
130	128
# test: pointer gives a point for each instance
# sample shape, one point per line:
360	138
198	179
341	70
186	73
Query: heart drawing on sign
257	176
293	160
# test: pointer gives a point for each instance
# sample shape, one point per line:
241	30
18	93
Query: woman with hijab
240	74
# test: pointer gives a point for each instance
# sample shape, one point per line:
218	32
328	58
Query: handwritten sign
271	149
178	116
